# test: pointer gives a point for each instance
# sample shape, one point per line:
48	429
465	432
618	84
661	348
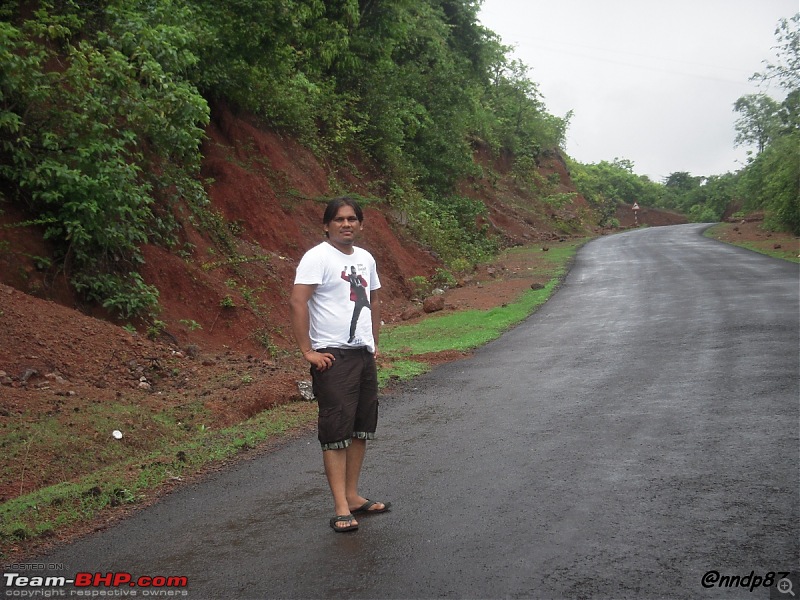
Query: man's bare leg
335	462
355	460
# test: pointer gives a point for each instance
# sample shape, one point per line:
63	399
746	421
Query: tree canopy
103	108
771	180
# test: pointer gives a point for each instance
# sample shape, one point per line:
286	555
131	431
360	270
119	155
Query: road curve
638	431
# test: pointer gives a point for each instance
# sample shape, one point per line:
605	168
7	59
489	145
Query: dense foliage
771	180
99	134
103	107
606	184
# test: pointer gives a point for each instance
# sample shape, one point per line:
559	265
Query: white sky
650	81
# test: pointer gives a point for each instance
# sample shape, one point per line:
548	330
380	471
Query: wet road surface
639	430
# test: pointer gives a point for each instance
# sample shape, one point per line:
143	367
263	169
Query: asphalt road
638	431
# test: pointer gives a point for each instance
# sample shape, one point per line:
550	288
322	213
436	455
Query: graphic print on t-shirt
358	294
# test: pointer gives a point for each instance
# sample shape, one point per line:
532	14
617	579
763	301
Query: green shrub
100	148
420	286
444	279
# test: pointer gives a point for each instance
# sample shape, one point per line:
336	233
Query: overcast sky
651	81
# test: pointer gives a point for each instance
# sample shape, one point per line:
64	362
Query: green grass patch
469	329
555	260
401	370
126	481
464	330
67	442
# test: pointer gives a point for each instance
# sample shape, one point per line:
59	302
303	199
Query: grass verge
138	472
469	329
775	244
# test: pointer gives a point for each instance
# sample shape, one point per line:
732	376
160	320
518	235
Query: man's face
344	227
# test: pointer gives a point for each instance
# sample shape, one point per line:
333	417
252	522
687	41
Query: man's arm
375	311
298	305
298	308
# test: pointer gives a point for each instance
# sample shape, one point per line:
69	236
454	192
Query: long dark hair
335	204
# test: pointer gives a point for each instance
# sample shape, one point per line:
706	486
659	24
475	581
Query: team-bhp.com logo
115	584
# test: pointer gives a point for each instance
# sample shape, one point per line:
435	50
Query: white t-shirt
344	283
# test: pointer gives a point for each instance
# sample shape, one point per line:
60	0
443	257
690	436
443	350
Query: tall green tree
771	181
785	67
759	121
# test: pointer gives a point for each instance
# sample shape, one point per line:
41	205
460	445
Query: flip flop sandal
343	519
367	507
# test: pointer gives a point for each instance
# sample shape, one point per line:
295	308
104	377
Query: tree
606	184
103	107
759	122
771	181
786	70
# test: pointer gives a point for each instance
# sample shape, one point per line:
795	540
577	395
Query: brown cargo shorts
347	393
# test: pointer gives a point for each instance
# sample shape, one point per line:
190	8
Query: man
341	344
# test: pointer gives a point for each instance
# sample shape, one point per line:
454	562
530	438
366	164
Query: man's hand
320	360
